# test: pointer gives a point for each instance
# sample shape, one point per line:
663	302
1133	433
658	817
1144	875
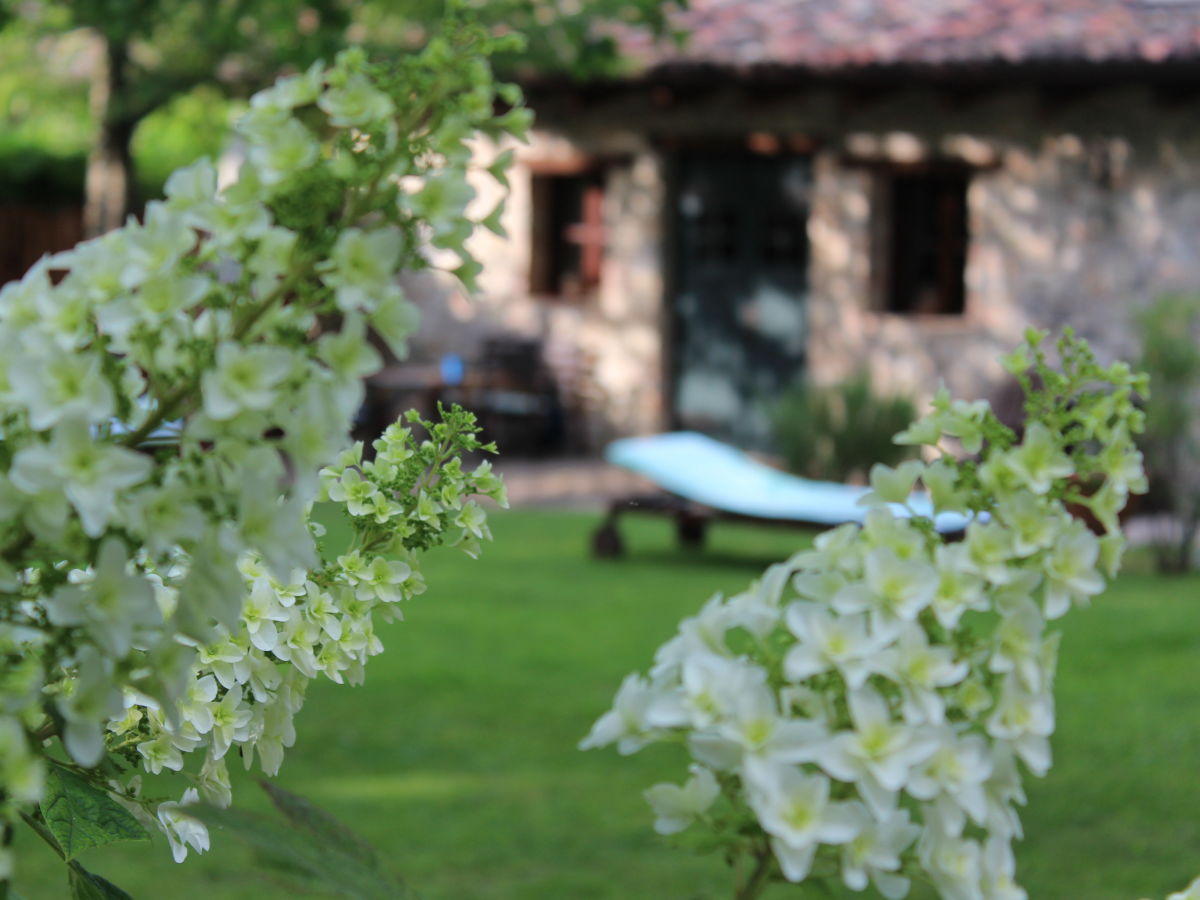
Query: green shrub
1170	333
47	173
192	125
837	433
35	174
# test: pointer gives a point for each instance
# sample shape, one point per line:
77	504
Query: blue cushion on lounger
705	471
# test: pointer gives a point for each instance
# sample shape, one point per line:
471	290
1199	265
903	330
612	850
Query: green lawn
457	758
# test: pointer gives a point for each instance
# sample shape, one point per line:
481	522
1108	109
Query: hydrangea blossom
864	711
167	401
1191	892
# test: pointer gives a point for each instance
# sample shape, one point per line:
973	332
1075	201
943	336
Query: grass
457	758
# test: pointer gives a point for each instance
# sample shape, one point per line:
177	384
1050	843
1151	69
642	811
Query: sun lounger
705	479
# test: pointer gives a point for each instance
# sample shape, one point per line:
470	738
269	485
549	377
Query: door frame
672	151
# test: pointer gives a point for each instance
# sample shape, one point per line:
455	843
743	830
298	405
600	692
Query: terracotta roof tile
838	34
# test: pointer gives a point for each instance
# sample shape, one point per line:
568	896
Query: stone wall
1080	212
605	350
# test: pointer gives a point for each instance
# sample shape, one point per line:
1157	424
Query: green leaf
467	274
316	849
492	221
285	848
321	825
81	815
87	885
499	168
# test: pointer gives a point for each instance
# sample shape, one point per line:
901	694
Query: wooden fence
27	232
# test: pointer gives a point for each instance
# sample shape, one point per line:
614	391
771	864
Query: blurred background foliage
109	96
191	125
44	126
1170	333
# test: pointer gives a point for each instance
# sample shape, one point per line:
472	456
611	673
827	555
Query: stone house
810	187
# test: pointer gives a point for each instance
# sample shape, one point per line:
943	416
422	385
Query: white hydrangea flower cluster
863	712
162	597
1191	892
247	684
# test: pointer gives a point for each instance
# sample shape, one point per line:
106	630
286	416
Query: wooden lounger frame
691	522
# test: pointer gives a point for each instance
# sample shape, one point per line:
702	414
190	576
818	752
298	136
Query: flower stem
759	878
44	833
168	406
6	839
19	545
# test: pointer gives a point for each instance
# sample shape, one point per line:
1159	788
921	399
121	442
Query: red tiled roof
846	34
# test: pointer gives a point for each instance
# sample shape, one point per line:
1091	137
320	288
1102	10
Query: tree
151	51
574	40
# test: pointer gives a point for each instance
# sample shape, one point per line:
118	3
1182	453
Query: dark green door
740	280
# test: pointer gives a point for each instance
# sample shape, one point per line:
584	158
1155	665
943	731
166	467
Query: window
923	237
568	233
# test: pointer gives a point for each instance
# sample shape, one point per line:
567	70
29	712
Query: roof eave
959	74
